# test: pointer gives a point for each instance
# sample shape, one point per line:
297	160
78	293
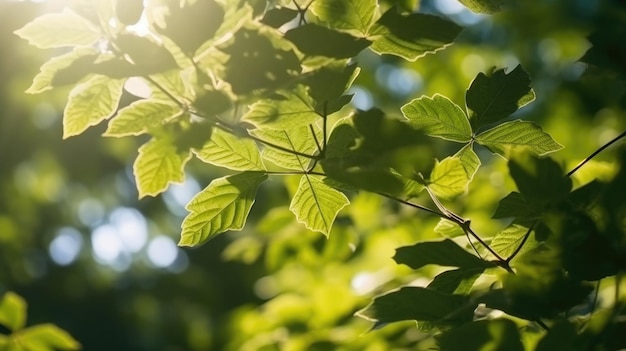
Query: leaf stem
524	239
595	153
420	207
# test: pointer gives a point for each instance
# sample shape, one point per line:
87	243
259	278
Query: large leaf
48	337
442	253
506	137
514	205
57	70
232	152
287	112
510	238
456	281
483	6
316	204
540	180
141	116
412	36
497	334
12	311
440	117
420	304
90	103
469	159
299	139
448	179
221	206
55	30
355	15
159	163
492	98
315	40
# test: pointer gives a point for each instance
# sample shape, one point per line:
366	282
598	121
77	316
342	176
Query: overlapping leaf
221	206
508	136
288	112
316	40
55	30
440	117
442	253
355	15
510	238
159	163
496	334
300	139
232	152
469	159
141	116
448	179
50	72
316	204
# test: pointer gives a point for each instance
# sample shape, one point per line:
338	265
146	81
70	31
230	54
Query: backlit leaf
514	205
48	337
90	103
287	113
12	311
315	40
506	137
55	30
469	159
442	253
412	36
448	228
47	78
159	163
316	204
456	281
448	178
141	116
492	98
438	116
221	206
299	139
346	14
483	6
230	151
510	238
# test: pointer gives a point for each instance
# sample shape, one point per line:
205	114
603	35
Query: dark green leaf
315	40
278	16
514	205
496	335
483	6
443	253
540	180
492	98
147	56
412	36
562	336
456	281
327	85
420	304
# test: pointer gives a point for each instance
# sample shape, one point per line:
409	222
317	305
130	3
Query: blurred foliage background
90	257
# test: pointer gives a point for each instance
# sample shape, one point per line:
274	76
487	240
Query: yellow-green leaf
44	79
299	139
90	103
285	113
221	206
469	159
159	163
448	178
55	30
141	116
47	337
12	311
346	14
316	204
229	151
439	117
518	134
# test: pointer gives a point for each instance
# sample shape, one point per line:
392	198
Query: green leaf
176	83
412	36
469	159
55	30
278	16
448	178
316	204
514	205
48	337
90	103
141	116
221	206
456	281
448	228
443	253
528	136
495	334
493	98
421	304
232	152
483	6
510	238
562	335
346	14
327	85
438	117
540	180
50	72
12	311
289	112
315	40
299	139
159	163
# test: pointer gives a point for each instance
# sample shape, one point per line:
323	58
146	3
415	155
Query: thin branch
423	208
317	143
524	239
324	129
502	261
595	153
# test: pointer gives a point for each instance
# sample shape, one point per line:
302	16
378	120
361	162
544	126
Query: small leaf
141	116
221	206
448	178
514	205
494	98
510	238
315	40
48	337
299	139
443	253
55	30
506	137
289	112
439	117
420	304
346	14
232	152
456	281
412	36
48	77
12	311
278	16
469	160
448	228
159	163
483	6
495	334
90	103
316	204
327	86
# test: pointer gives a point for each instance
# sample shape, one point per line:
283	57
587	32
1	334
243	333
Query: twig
524	239
595	153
